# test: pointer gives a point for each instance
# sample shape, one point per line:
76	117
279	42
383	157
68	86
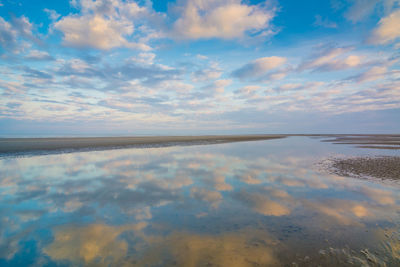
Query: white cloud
102	25
225	19
388	29
96	31
259	67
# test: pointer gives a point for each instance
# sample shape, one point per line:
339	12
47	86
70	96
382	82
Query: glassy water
261	203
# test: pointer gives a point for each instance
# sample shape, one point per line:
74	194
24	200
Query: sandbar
376	141
21	146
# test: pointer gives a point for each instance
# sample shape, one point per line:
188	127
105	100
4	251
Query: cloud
7	35
211	73
388	29
53	15
331	59
226	19
38	55
374	73
13	105
123	76
144	58
11	33
97	32
360	9
33	73
215	88
248	91
287	87
102	25
258	67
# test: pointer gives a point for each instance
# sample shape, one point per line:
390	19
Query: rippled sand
377	167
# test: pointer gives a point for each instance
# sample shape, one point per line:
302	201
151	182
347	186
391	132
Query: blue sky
115	67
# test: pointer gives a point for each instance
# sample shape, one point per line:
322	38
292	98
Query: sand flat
383	167
375	141
32	145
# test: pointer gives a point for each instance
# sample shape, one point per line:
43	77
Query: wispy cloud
259	67
388	29
319	21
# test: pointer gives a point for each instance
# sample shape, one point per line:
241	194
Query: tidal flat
250	203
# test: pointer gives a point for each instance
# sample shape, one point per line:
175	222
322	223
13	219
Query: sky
126	67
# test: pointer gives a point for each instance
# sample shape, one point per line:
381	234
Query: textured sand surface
384	167
31	145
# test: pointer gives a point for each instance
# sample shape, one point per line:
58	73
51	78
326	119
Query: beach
377	141
43	145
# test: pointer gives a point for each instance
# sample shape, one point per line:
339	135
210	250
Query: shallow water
262	203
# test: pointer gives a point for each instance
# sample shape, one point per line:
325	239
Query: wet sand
387	167
21	146
365	167
379	141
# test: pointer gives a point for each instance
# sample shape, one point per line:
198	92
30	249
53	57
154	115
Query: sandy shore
380	141
384	167
41	145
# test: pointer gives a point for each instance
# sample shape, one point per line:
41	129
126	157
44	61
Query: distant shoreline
22	146
52	145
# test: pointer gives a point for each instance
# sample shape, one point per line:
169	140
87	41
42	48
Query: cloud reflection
194	199
96	243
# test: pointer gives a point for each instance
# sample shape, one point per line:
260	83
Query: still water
260	203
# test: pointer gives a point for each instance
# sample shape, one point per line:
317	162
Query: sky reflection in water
236	204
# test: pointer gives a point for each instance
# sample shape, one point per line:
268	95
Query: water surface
253	203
